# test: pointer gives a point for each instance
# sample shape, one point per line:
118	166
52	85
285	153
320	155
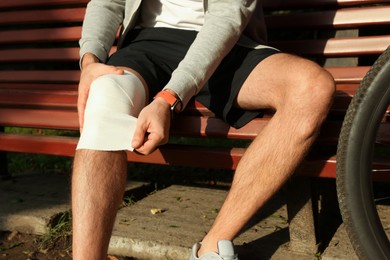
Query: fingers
152	128
139	135
151	143
145	142
88	75
81	103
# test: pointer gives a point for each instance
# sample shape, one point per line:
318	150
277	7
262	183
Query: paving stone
186	215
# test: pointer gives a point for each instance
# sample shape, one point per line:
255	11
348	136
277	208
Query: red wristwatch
171	99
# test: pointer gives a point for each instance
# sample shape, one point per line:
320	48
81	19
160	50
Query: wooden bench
39	75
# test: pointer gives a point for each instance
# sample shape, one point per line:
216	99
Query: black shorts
155	52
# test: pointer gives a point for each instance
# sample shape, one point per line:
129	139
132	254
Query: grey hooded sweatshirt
226	23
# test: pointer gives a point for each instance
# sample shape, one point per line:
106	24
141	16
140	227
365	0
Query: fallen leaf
155	211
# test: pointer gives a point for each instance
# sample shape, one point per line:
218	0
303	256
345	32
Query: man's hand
91	70
152	127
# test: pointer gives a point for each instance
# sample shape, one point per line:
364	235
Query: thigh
220	92
153	53
274	80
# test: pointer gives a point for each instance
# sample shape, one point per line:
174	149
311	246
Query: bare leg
98	184
99	177
301	95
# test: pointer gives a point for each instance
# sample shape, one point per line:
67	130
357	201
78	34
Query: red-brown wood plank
42	16
54	145
66	34
64	96
39	55
190	126
35	76
326	168
225	158
341	47
38	99
345	75
336	47
38	3
57	119
341	18
296	4
348	75
267	4
18	87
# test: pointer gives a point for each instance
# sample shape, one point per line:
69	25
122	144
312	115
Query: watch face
176	106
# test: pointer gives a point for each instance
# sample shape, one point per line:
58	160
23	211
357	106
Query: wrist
171	98
88	59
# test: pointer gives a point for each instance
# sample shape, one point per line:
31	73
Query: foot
225	252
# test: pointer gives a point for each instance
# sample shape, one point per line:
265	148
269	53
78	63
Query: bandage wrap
113	105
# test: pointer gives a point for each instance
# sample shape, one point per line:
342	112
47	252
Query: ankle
206	247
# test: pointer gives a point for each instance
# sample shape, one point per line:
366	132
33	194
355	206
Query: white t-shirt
180	14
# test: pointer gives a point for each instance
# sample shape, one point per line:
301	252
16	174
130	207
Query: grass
22	163
59	233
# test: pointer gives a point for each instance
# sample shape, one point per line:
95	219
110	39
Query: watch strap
171	99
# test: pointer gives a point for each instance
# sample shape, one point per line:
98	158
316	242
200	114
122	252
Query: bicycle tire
354	158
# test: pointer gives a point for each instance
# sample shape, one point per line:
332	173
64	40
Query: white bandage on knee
113	105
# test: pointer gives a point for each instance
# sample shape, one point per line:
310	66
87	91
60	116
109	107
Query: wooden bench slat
326	168
190	126
267	4
336	47
222	157
38	86
60	119
348	89
39	100
225	158
342	18
38	3
47	54
296	4
34	76
67	119
66	54
345	75
42	16
41	35
68	102
47	96
348	75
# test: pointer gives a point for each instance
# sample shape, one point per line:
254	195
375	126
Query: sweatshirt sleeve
101	23
224	22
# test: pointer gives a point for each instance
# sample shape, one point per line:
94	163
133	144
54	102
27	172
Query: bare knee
319	89
310	99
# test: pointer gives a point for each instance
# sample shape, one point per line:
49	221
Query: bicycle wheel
358	148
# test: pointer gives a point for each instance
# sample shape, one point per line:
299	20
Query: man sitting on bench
170	51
